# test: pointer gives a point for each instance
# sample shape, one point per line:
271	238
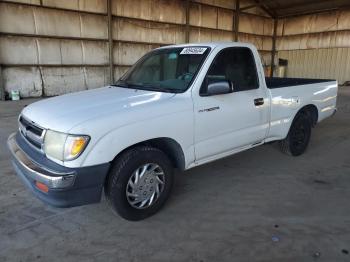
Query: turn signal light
77	146
74	146
42	187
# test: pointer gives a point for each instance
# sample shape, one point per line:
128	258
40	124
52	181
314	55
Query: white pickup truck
178	107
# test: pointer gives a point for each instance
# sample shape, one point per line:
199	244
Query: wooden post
2	86
236	20
110	41
273	52
187	28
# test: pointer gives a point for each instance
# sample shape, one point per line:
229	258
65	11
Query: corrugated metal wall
51	47
316	45
48	51
328	63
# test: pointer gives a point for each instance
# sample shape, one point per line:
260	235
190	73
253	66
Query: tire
136	171
298	136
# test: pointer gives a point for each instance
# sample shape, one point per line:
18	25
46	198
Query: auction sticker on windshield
193	51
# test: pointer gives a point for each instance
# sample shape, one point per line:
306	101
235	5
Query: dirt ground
259	205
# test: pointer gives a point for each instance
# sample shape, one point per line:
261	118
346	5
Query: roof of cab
211	45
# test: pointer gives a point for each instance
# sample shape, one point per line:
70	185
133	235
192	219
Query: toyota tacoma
178	107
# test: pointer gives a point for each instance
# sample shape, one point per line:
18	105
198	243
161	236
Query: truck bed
278	82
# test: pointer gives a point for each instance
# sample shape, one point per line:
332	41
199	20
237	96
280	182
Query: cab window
236	65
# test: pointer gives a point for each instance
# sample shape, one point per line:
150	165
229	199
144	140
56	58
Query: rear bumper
67	187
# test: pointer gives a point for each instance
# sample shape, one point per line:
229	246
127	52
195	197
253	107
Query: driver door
234	121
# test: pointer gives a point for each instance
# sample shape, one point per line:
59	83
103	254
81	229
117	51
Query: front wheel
298	136
139	183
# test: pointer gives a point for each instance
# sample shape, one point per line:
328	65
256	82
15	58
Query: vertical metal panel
172	11
16	19
225	19
318	40
315	23
261	42
96	6
63	80
333	63
25	79
256	25
50	52
205	16
53	22
94	26
221	3
24	19
16	50
110	42
128	53
33	2
94	53
209	35
70	4
96	76
144	31
119	71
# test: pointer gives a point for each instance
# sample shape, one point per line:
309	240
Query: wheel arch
309	109
312	111
170	147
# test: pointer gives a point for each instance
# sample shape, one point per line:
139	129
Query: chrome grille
32	133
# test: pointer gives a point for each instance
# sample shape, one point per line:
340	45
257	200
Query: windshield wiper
145	86
166	89
159	87
121	83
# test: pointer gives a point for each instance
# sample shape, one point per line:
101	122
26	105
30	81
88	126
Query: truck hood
62	113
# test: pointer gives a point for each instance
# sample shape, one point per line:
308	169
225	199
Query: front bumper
66	186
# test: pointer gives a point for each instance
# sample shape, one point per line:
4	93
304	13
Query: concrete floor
229	210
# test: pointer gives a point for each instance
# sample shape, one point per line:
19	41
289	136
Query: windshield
166	70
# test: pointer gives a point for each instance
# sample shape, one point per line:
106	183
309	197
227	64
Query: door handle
259	101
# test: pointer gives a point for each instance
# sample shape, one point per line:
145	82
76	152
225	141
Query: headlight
64	147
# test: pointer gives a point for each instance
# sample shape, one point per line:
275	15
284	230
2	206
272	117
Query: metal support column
236	20
110	42
2	87
187	27
273	52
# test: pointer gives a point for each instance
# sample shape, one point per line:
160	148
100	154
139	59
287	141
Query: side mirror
219	88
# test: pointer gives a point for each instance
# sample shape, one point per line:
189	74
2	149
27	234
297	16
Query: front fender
178	127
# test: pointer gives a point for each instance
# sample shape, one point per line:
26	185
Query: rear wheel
139	182
298	136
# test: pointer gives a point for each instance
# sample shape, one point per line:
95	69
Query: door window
236	65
